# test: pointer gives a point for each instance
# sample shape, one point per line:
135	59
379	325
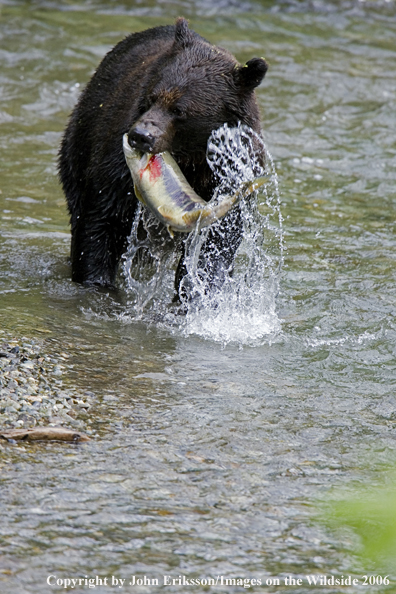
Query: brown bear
169	89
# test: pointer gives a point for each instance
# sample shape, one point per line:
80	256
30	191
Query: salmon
161	186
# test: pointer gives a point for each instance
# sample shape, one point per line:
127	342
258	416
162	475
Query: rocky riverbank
32	391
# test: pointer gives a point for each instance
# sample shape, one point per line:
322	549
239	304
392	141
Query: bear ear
250	76
183	36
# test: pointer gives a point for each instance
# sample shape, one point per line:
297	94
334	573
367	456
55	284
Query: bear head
192	90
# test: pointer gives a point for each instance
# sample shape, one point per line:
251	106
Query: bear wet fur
169	89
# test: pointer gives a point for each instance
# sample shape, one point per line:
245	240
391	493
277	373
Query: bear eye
178	111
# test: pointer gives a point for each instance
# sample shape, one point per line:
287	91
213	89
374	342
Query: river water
211	453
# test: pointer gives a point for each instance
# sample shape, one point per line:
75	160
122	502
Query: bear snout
143	138
153	132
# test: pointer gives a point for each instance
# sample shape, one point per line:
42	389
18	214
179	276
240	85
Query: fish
161	186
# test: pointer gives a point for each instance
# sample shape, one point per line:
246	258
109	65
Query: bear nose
140	138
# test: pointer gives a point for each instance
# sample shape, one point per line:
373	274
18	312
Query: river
210	453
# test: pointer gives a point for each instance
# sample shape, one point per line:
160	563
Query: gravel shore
31	391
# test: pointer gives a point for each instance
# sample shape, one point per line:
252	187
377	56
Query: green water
207	461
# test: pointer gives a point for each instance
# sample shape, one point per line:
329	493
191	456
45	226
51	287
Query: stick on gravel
44	434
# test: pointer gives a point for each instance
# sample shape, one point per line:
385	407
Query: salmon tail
251	186
218	211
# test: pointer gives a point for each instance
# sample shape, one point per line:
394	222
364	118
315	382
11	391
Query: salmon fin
165	212
138	194
191	218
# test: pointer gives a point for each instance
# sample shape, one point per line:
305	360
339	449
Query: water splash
149	265
243	309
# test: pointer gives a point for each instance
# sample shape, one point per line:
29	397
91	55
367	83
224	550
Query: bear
168	88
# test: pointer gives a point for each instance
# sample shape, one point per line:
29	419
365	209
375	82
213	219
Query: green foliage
372	516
